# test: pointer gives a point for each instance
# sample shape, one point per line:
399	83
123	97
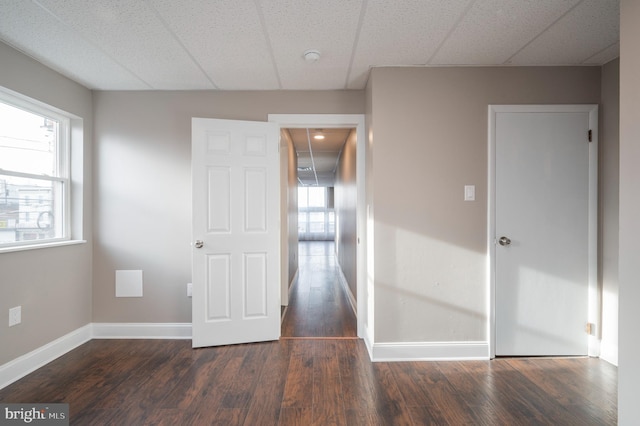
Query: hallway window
34	173
316	218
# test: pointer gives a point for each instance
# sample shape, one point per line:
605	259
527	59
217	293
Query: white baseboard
27	363
368	340
291	284
141	330
347	289
430	351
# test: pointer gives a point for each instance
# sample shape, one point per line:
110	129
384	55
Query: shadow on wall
432	290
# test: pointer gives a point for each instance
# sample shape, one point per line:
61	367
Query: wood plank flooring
313	382
318	374
318	304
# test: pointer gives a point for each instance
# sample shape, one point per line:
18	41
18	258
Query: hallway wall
345	208
288	212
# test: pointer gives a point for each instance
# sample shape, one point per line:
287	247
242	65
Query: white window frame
63	166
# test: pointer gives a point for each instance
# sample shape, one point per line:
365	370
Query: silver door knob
198	244
504	241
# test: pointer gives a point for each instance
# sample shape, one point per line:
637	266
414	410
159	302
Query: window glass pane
302	222
317	196
28	142
302	197
316	222
29	210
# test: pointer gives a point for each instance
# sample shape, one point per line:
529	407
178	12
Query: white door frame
344	121
594	296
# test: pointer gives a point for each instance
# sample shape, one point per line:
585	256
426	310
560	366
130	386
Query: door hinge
590	329
590	135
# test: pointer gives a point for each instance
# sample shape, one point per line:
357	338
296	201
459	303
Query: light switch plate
15	316
469	192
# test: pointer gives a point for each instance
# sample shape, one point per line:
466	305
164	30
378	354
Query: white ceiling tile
493	30
329	26
589	28
34	31
402	33
132	33
606	55
225	37
259	44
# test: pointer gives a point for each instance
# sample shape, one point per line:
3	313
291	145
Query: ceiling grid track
181	44
600	51
451	30
70	28
356	41
510	58
263	24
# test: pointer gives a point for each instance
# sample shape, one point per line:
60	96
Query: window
34	173
316	219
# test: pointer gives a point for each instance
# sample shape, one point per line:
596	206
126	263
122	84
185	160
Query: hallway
318	303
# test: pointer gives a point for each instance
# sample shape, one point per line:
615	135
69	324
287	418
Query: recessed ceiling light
318	136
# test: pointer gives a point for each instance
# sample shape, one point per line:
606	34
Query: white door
236	250
543	229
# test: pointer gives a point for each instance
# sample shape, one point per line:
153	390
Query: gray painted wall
53	285
289	212
346	209
142	187
429	140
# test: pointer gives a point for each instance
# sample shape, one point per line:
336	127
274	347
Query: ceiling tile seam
356	42
166	25
451	30
272	55
510	58
600	51
70	28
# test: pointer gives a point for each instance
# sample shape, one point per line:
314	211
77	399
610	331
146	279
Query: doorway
316	254
542	229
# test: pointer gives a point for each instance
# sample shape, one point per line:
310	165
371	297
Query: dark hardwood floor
318	304
311	381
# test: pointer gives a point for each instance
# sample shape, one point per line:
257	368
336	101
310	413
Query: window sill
41	246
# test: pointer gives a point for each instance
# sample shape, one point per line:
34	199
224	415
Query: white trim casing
356	121
430	351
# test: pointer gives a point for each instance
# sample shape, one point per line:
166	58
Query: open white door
544	235
236	235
